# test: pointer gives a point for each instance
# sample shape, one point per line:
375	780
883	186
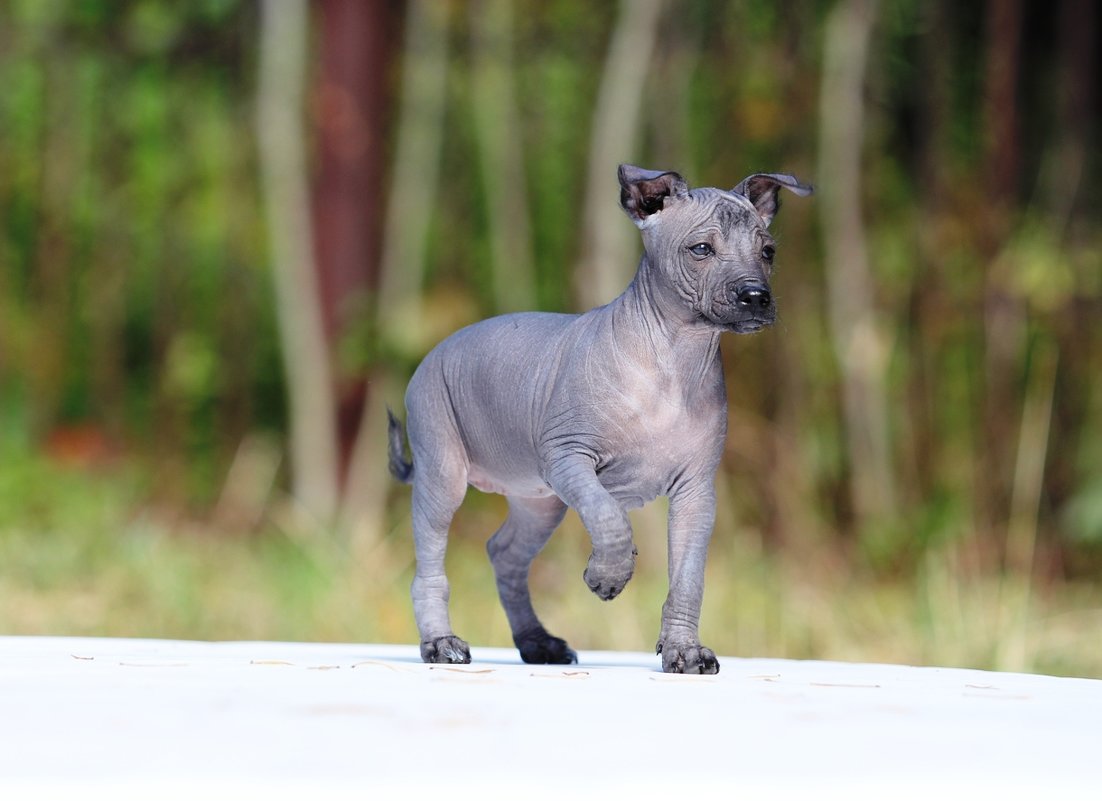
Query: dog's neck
652	320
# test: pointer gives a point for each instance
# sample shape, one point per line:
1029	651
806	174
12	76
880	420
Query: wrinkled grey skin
602	412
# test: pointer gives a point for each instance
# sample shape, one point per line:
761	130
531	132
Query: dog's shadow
602	661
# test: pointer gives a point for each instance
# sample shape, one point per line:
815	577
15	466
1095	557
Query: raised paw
687	657
607	578
448	650
540	648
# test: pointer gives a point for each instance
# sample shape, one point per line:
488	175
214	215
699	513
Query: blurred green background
231	229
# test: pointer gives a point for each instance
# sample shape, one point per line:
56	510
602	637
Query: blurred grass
83	553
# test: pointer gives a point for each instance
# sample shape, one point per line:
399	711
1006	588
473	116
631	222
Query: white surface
95	718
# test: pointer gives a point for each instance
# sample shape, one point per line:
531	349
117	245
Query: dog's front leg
574	479
692	515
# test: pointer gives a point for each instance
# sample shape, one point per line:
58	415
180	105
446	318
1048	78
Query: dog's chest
651	438
653	420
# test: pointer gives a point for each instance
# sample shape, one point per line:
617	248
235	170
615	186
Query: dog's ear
644	192
761	189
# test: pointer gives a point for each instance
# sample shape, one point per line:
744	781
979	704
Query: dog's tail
400	468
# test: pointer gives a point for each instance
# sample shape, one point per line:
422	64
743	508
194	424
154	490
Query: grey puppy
601	412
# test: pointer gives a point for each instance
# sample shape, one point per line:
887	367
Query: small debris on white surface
127	718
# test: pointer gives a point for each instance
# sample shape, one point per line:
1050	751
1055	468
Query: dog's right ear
761	189
644	192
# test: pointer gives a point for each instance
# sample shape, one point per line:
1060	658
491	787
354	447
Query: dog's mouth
748	326
736	320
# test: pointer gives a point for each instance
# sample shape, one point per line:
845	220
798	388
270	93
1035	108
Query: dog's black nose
753	296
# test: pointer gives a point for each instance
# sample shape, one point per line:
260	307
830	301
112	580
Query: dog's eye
768	252
701	250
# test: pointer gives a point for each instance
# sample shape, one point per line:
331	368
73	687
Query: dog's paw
608	577
540	648
687	657
447	650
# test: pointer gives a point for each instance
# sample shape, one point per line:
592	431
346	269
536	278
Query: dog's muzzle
749	307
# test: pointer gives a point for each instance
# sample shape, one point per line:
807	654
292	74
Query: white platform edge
115	718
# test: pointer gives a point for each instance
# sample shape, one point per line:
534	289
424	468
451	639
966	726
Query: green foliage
135	282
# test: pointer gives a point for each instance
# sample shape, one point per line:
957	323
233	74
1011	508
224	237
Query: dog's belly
520	486
631	489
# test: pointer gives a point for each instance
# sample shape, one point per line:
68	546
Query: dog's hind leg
512	549
439	484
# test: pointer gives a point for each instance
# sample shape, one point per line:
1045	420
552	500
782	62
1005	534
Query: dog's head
711	246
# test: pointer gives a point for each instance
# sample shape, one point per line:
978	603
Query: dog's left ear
761	189
644	192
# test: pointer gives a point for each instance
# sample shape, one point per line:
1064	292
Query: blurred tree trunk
414	185
51	285
676	59
934	202
501	155
1004	313
1049	221
415	176
1000	114
607	242
1063	172
350	103
1062	189
327	271
282	150
859	339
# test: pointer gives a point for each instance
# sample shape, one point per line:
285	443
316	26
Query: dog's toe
446	650
687	657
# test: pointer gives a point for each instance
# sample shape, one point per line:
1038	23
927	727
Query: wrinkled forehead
726	211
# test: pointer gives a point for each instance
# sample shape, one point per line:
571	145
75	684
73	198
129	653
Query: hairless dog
601	412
